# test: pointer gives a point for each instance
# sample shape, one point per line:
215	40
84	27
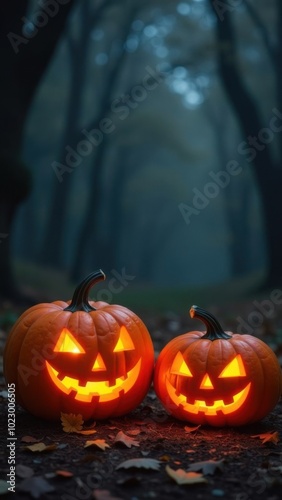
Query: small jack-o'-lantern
81	357
218	378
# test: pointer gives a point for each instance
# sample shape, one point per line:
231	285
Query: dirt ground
234	464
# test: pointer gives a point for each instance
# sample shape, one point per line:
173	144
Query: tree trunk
268	175
24	61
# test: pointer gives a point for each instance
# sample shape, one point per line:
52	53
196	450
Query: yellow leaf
182	477
41	447
100	443
71	422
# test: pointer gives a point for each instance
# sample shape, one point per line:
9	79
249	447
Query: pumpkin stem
214	329
80	297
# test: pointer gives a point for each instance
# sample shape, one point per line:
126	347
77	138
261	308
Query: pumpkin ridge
254	343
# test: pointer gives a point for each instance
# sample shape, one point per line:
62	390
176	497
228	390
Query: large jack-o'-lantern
218	378
81	357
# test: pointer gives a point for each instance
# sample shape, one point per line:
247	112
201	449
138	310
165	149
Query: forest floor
235	463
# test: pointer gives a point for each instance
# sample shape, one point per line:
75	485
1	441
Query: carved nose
206	383
99	364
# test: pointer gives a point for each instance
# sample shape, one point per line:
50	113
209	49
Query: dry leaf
268	437
30	439
36	486
182	477
99	443
104	495
134	432
71	422
191	429
208	467
63	473
24	471
86	432
41	447
140	463
126	440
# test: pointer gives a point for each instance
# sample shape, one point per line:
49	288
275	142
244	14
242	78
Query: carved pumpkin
80	357
218	378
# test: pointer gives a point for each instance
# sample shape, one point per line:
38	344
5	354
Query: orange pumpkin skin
218	378
72	358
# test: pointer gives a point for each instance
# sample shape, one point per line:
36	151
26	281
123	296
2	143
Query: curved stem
80	297
214	329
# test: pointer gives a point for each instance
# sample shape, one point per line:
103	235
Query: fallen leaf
140	463
277	468
36	486
23	471
191	429
30	439
41	447
71	422
86	432
63	473
104	495
133	432
126	440
182	477
268	437
208	466
99	443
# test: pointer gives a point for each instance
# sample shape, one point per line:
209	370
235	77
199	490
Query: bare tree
26	50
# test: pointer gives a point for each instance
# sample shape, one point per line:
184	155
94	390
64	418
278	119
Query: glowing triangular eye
124	342
180	367
234	369
67	343
99	363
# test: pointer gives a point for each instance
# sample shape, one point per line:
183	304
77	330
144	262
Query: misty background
136	113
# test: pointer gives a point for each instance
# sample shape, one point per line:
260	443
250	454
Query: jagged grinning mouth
201	406
90	390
